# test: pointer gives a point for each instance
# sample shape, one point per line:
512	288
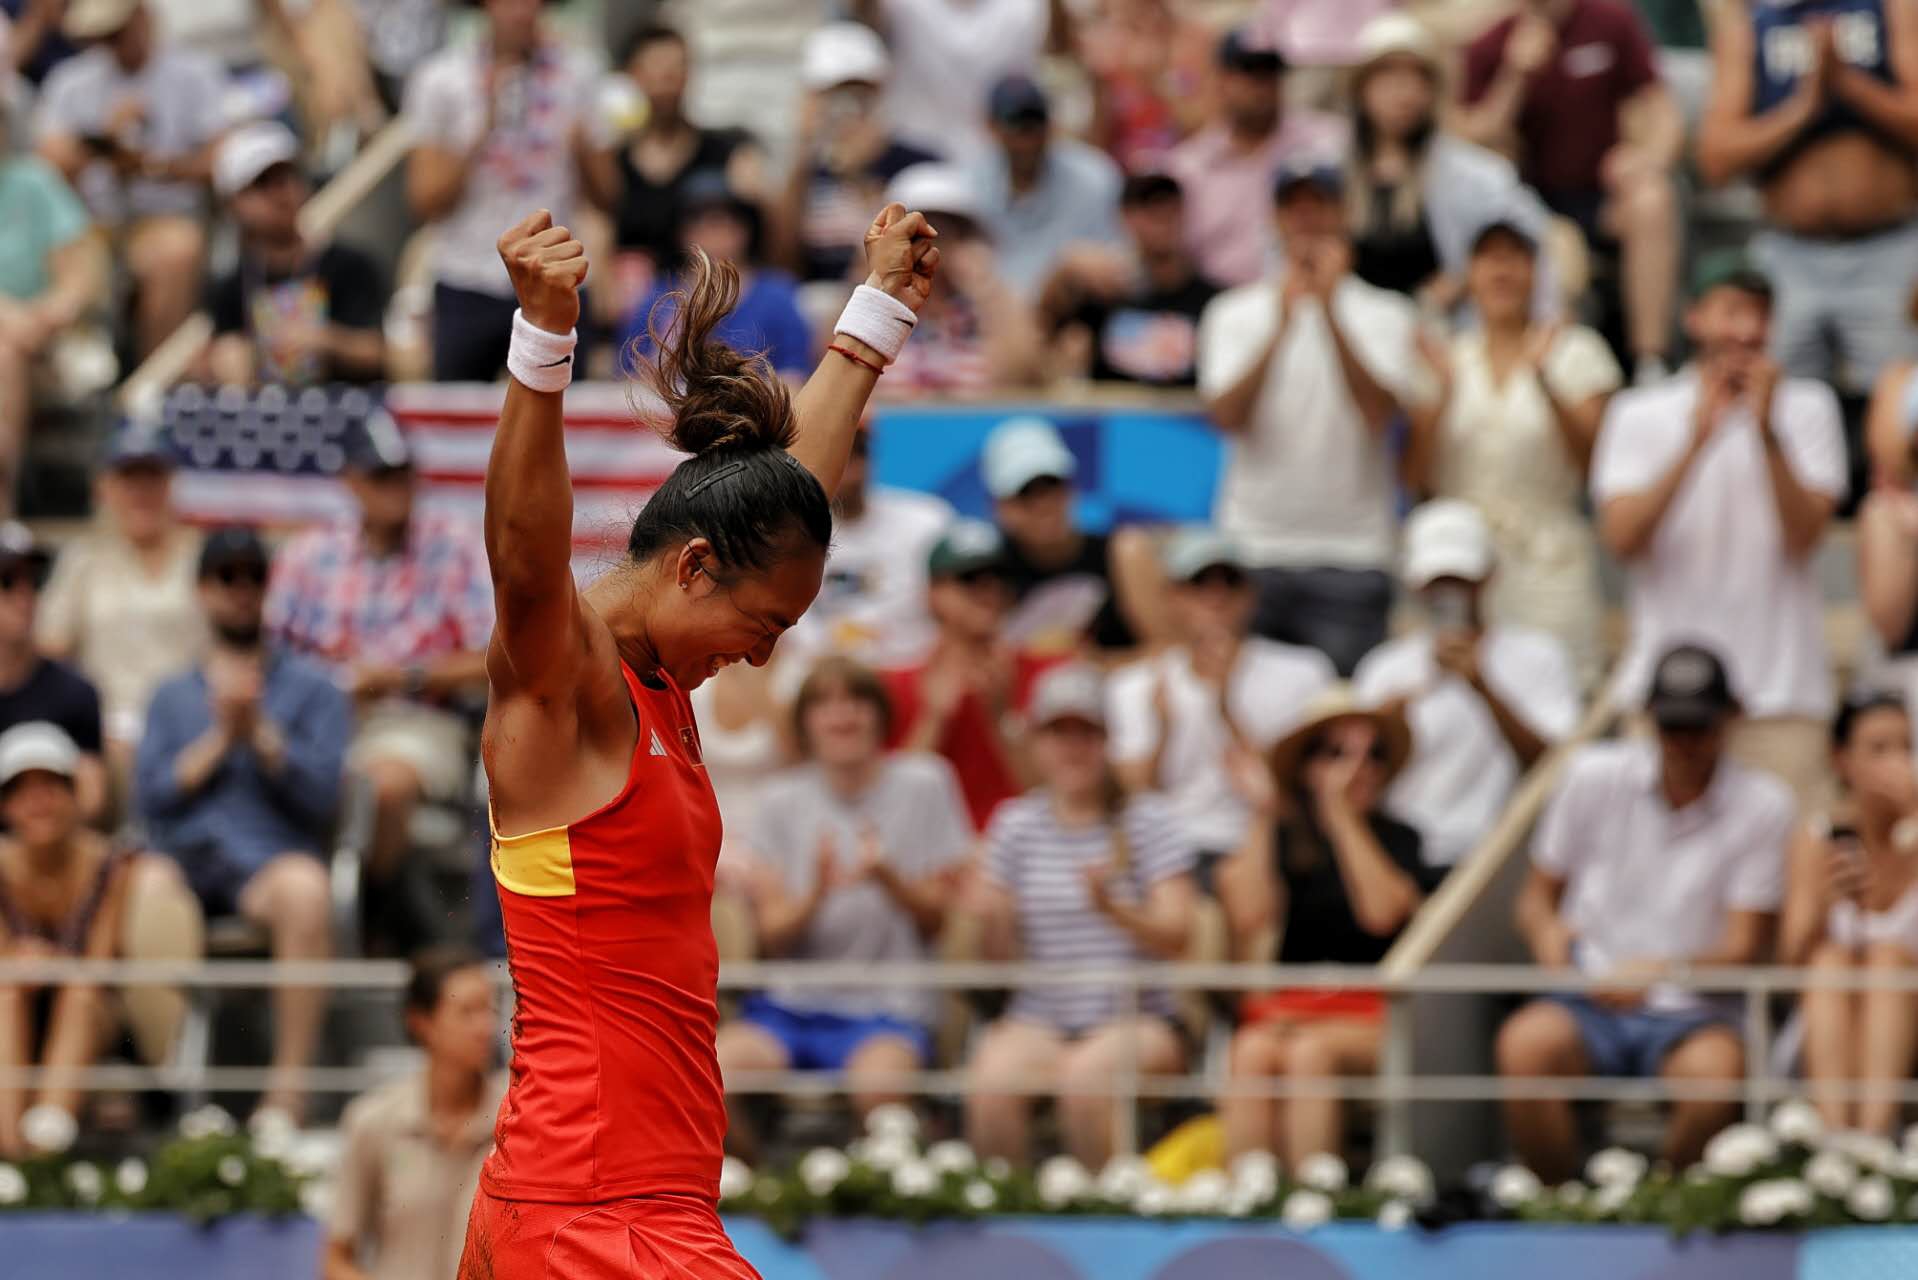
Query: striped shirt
1043	865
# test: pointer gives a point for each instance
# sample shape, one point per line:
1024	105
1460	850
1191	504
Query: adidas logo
658	748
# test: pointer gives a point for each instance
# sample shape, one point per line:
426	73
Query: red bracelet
856	358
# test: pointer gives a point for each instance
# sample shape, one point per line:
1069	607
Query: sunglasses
1042	487
1336	751
240	575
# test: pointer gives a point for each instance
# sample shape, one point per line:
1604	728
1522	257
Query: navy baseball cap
136	444
229	545
1241	50
376	443
1018	99
1323	172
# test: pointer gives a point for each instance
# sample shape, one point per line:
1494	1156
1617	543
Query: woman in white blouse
1512	433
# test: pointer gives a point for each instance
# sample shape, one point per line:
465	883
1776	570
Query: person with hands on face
855	856
604	827
1714	490
1652	859
1336	879
1851	905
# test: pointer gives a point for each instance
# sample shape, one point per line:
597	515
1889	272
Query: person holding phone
1851	904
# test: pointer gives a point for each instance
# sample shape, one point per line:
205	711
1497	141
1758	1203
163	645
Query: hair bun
721	400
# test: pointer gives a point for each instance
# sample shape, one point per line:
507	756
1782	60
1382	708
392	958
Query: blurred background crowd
1562	352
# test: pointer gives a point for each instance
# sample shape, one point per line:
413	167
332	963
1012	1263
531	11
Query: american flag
272	457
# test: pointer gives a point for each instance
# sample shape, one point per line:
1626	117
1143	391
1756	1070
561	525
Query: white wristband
877	319
542	361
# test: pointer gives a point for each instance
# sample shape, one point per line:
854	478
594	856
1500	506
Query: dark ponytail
740	490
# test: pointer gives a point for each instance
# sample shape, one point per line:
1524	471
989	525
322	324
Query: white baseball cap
1021	450
1075	691
843	53
249	152
933	187
1446	538
1391	33
1191	551
38	746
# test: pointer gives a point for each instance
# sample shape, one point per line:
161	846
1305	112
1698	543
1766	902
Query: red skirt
643	1238
1312	1005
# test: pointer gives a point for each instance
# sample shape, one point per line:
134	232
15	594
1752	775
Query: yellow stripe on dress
538	864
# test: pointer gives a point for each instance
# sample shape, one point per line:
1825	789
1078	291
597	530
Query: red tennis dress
609	1138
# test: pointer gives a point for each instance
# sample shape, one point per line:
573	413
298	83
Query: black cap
1016	100
231	544
376	443
1690	689
18	545
1241	50
710	189
139	444
1144	188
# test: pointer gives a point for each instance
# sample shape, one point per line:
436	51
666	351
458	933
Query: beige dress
1500	450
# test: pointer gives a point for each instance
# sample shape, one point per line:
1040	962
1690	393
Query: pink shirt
1228	191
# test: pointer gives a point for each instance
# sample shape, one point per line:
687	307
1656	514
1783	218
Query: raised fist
901	254
548	266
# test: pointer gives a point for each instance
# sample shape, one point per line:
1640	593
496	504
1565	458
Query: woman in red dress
604	827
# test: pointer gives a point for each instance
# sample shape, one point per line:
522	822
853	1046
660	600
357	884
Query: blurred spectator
1888	519
50	276
1891	420
33	687
1711	834
1306	371
975	334
498	127
1042	193
948	53
1714	490
1486	699
1151	66
844	155
398	602
1187	720
1336	879
872	603
743	744
37	44
1570	89
1851	904
1132	317
288	312
1076	874
239	781
856	856
1818	102
658	160
394	37
120	605
1070	587
413	1148
66	891
131	122
1417	194
1228	168
728	228
1512	432
962	700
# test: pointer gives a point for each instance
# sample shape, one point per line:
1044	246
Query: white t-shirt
179	94
1270	686
1308	484
1462	770
1645	882
1716	572
946	56
528	160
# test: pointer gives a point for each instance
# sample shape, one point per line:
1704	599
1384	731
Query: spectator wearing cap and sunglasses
34	686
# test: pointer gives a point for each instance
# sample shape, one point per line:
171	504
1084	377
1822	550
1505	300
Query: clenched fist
901	253
548	266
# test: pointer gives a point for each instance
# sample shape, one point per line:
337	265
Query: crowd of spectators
1445	287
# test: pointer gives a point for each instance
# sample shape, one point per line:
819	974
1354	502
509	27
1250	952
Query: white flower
1203	1192
1740	1151
131	1177
1515	1185
1256	1169
1906	1167
1153	1200
1831	1174
1305	1209
1616	1165
1062	1180
1611	1198
1869	1150
273	1132
887	1151
914	1178
1241	1200
998	1168
822	1169
1766	1204
893	1119
86	1182
979	1196
1404	1177
206	1122
231	1170
316	1200
1123	1177
1572	1194
1798	1122
951	1156
13	1185
1911	1141
735	1178
1323	1171
1395	1215
1871	1199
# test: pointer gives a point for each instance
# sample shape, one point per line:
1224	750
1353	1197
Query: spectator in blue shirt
729	228
239	779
